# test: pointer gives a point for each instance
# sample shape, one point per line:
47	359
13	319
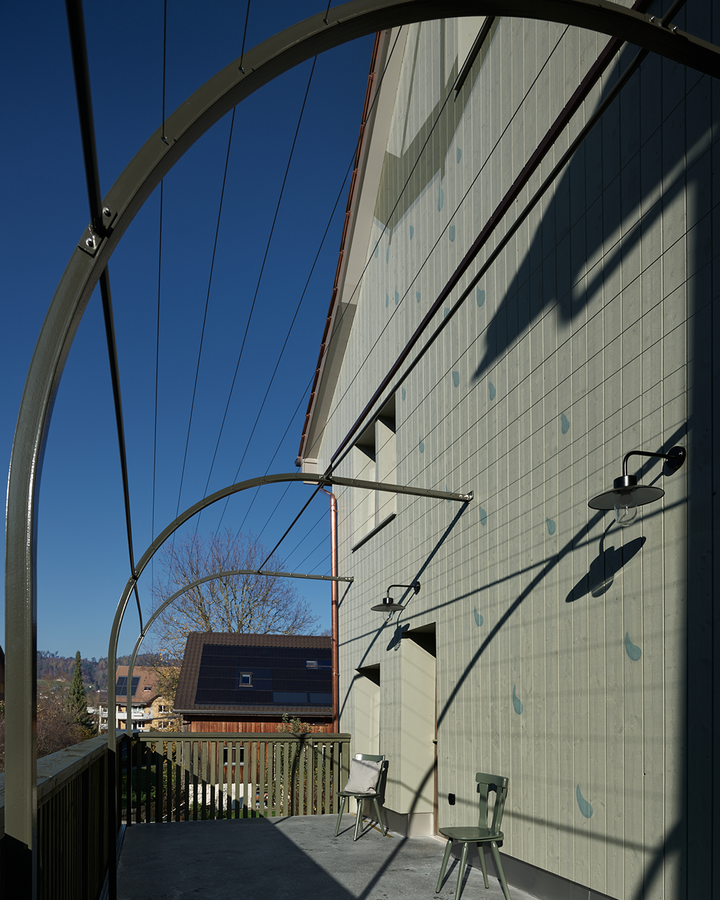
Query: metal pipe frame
124	200
208	501
188	587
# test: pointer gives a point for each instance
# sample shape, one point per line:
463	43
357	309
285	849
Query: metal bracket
90	241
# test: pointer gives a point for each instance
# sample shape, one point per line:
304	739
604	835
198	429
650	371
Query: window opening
374	458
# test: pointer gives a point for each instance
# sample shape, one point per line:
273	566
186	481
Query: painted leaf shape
517	703
456	378
583	805
478	618
632	650
551	526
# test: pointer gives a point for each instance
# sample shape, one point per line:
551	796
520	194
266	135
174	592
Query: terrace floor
293	857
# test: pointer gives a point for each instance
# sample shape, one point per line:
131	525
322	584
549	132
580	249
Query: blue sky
83	562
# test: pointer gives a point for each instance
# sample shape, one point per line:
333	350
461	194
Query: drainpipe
334	608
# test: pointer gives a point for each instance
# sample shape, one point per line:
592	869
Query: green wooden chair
365	783
483	834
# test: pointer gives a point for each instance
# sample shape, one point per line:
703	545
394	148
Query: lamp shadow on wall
603	569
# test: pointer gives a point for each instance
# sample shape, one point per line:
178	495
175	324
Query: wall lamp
627	494
388	604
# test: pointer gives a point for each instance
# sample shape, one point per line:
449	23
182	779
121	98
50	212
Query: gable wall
573	656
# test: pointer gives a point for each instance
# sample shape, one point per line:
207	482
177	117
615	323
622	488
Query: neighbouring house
149	711
246	682
566	647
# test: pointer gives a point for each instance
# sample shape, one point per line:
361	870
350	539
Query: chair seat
356	794
471	834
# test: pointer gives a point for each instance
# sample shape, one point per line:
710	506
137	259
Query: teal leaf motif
564	423
452	233
582	803
517	703
491	390
377	247
387	300
483	516
478	618
551	526
441	198
412	232
397	297
632	650
480	296
458	155
422	447
456	378
417	296
446	312
403	393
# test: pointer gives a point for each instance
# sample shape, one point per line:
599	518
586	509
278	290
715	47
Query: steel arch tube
145	171
208	501
188	587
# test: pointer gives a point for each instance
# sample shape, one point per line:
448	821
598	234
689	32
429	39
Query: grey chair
483	834
377	796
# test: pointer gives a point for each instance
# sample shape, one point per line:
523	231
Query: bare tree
247	604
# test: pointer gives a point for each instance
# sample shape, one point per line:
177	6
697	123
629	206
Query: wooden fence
186	776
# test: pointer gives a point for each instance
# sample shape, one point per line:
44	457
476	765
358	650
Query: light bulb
625	511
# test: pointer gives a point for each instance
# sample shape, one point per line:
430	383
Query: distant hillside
51	667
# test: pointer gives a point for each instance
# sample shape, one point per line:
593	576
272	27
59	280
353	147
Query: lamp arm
675	458
415	585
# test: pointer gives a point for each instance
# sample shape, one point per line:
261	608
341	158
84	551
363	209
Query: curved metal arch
188	587
214	498
155	159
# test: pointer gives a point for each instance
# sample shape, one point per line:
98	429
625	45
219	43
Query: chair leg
483	865
381	823
463	863
499	867
448	847
340	814
358	821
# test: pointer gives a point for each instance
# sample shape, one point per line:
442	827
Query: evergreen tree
76	700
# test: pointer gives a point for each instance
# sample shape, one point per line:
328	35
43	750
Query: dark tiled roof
287	673
146	690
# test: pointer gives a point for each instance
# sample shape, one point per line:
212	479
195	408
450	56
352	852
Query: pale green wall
572	656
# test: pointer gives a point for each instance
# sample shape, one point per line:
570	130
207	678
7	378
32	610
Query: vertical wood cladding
573	656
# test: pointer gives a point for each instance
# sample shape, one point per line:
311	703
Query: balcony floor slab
288	857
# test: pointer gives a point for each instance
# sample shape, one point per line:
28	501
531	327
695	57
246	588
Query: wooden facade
547	643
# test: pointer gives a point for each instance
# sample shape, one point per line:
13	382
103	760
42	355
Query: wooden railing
74	840
162	777
189	776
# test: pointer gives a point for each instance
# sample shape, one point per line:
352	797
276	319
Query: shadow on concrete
290	857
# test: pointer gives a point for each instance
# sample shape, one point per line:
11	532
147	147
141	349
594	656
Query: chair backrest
486	784
372	757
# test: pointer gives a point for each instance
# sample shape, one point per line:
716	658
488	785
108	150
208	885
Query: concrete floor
294	857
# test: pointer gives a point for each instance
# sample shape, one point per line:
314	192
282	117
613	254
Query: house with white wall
526	294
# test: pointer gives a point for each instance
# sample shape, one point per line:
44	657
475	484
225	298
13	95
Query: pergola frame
134	186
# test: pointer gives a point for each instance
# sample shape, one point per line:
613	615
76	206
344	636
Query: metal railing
178	777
